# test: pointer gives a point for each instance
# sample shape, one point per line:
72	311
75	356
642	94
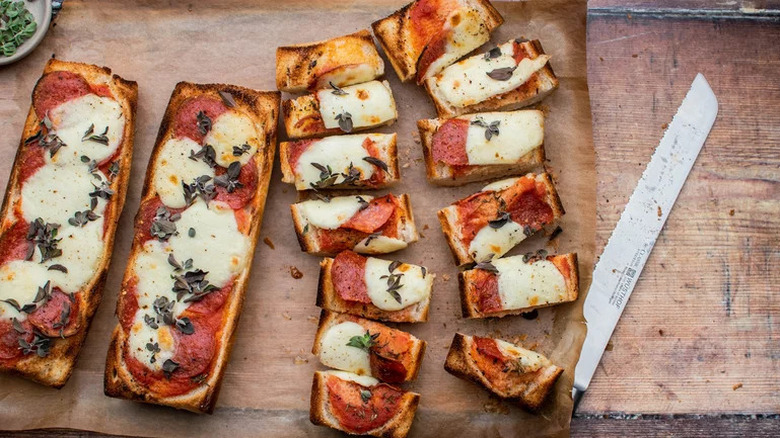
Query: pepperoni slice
295	149
386	369
212	302
145	218
48	318
340	239
9	339
489	348
519	52
448	144
195	352
348	276
242	195
185	122
486	291
475	212
32	159
526	203
156	381
55	88
435	49
374	216
358	416
102	90
14	244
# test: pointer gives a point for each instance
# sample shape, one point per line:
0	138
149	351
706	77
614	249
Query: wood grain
701	331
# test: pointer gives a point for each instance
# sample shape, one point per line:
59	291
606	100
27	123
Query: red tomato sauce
355	415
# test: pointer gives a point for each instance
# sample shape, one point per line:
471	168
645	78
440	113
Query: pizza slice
361	405
425	36
508	77
361	223
487	224
62	204
482	146
519	284
506	370
345	60
340	162
195	234
337	110
367	348
375	288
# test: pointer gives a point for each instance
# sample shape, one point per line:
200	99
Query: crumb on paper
296	273
416	137
610	346
635	55
406	165
731	212
300	360
286	316
737	386
664	126
422	236
519	339
445	277
268	242
425	227
496	406
313	318
660	332
660	212
601	59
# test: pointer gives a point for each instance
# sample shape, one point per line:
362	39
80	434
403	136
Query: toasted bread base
262	108
470	309
396	427
530	397
56	368
448	218
329	319
329	299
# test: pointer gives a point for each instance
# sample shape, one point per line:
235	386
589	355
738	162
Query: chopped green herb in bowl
17	25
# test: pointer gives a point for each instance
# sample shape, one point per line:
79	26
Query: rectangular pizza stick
341	61
64	198
195	234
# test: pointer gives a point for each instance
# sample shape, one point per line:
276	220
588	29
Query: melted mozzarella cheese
337	152
360	380
350	74
330	215
218	247
500	185
380	245
141	335
154	276
232	129
173	166
19	281
491	243
414	286
465	32
520	132
71	122
522	285
530	360
335	353
56	193
369	104
82	251
467	83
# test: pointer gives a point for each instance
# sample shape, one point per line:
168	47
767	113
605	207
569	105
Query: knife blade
634	236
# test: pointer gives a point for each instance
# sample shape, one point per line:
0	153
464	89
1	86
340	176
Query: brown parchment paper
268	380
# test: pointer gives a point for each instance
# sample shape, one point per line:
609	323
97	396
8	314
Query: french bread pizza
519	284
367	348
337	110
361	405
504	369
194	237
340	162
375	288
425	36
486	225
345	60
482	146
508	77
361	223
61	207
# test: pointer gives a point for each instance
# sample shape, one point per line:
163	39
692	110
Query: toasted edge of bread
470	309
388	152
397	427
530	397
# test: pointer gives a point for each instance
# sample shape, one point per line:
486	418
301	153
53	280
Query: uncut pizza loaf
195	233
64	197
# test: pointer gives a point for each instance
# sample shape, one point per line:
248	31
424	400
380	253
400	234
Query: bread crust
448	218
443	174
407	230
393	33
262	108
329	299
530	396
56	368
329	319
388	154
540	85
307	66
470	308
396	427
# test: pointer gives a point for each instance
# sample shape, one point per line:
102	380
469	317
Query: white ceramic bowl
41	10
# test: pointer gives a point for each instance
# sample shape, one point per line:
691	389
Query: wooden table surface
697	352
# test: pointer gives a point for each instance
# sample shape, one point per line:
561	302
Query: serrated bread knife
633	238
